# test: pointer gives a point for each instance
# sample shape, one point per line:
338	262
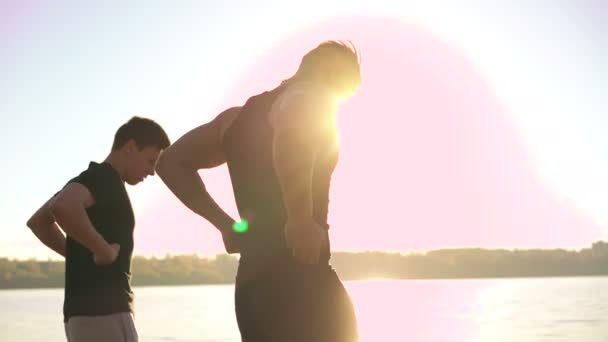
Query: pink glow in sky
429	157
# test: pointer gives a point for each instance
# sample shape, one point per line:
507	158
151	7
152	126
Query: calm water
523	310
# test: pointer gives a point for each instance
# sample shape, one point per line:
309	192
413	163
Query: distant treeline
443	263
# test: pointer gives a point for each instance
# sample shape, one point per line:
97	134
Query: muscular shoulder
225	119
101	181
301	97
302	101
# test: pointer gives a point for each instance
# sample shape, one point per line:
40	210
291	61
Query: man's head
138	143
337	64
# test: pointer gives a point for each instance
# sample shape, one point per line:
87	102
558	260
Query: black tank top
247	144
92	290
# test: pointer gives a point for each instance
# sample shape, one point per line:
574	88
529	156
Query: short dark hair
145	132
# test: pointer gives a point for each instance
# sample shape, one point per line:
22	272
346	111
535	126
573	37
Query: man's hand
304	237
229	235
231	243
106	255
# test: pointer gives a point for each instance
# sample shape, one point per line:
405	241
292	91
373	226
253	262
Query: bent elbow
168	165
161	165
38	220
31	222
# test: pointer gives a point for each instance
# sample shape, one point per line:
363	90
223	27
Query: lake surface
521	309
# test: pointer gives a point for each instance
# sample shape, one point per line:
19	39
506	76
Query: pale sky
73	72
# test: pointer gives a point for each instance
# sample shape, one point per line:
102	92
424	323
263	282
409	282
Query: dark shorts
286	301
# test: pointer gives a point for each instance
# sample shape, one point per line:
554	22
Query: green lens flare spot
241	227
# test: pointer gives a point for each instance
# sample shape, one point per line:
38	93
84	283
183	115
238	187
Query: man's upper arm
201	148
73	194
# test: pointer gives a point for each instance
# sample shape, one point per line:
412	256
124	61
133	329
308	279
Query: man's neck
116	162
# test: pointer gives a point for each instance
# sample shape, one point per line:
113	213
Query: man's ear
130	146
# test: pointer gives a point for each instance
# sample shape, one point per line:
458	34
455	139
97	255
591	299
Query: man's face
345	81
141	163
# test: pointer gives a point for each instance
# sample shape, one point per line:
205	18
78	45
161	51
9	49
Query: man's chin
132	182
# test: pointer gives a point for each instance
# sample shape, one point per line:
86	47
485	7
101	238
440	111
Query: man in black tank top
281	149
94	210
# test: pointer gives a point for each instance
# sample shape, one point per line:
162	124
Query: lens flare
241	227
